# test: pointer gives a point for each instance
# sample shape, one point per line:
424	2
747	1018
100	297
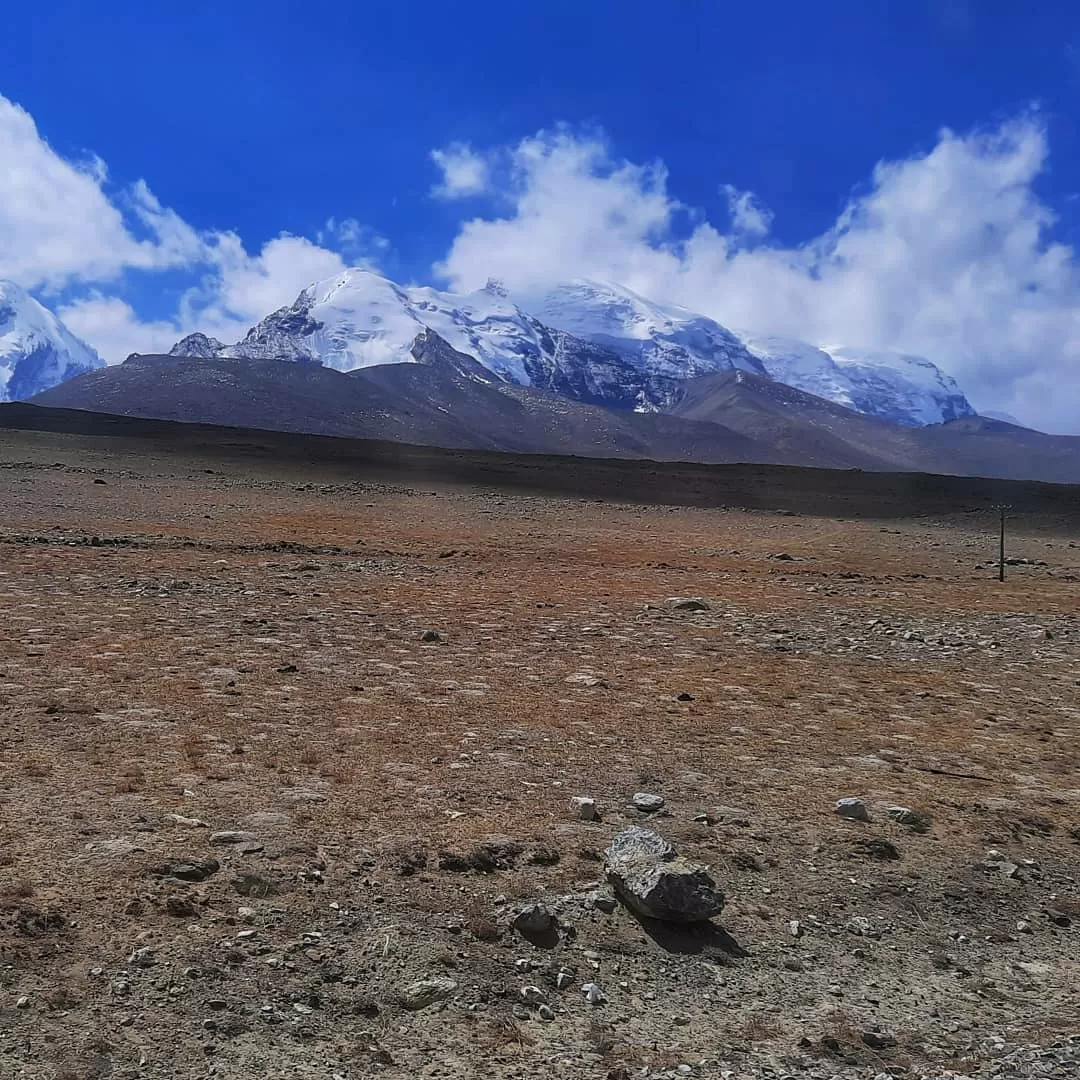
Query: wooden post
1001	508
1001	547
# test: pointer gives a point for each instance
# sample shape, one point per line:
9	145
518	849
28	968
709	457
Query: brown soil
206	637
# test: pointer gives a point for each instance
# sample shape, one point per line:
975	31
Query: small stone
430	636
877	1040
523	965
231	836
563	979
187	869
186	822
593	994
23	1003
531	995
584	807
646	803
180	906
534	920
852	809
586	679
419	995
904	815
687	603
795	928
545	1013
603	901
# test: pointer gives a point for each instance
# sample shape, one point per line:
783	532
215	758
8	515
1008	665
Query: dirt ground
195	647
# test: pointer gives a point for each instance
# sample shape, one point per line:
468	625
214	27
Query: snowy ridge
893	386
595	342
360	319
36	350
661	339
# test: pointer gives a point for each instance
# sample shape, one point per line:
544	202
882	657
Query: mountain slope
443	397
255	393
798	425
440	397
803	428
36	350
892	386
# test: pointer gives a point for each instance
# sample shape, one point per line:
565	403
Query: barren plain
281	740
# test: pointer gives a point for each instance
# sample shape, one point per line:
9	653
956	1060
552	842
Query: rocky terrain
315	768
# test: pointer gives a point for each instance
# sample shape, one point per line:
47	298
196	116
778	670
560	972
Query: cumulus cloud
58	225
464	172
949	253
65	231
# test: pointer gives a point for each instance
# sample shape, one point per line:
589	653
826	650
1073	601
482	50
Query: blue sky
746	131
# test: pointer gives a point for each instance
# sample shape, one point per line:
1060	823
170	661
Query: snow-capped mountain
592	341
660	339
360	319
892	386
36	350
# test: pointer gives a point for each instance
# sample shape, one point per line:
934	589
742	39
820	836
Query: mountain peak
36	350
899	387
198	345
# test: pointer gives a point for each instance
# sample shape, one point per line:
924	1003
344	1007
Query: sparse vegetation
262	795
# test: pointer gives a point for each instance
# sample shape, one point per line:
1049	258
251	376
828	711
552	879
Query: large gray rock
653	881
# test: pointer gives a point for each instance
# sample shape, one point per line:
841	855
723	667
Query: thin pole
1001	547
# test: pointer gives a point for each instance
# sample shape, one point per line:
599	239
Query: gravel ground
278	747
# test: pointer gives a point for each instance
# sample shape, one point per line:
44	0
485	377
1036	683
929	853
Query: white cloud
360	244
464	172
112	327
748	216
62	228
57	225
249	287
237	290
948	253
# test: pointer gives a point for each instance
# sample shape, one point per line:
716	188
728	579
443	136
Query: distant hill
444	397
